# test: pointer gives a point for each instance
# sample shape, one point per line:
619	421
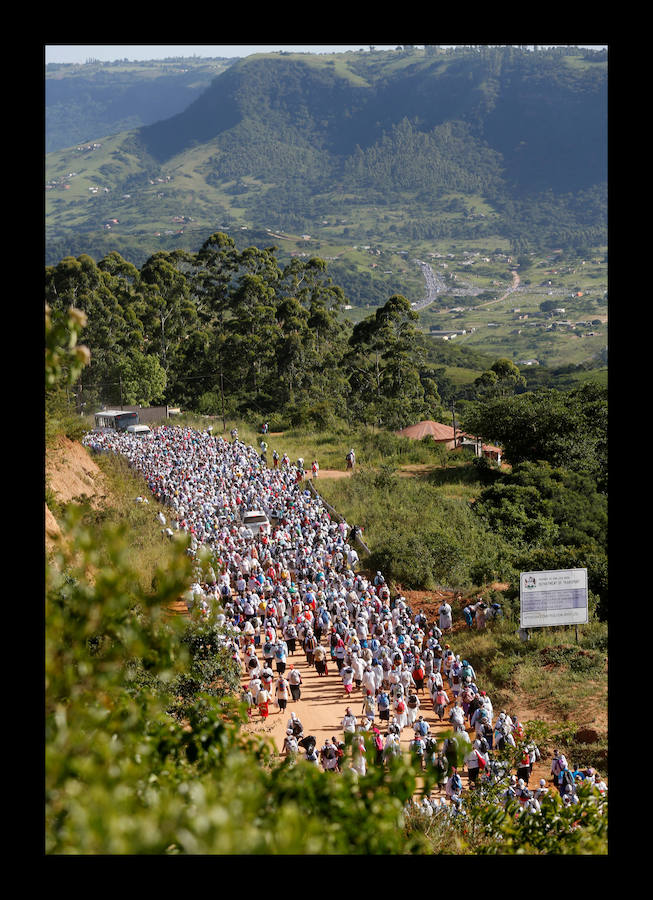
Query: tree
169	306
383	362
112	325
143	379
566	429
501	379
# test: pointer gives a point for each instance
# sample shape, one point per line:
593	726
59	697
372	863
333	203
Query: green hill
472	160
498	144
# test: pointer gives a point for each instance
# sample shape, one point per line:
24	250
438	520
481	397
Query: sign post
556	597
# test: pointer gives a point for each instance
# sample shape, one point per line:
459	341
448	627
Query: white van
139	430
256	521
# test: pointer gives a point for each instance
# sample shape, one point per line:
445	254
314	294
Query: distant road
435	284
511	290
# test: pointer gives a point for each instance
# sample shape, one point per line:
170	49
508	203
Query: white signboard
553	598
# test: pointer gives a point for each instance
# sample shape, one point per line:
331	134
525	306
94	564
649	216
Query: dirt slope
71	475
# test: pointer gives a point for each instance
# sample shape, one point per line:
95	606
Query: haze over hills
97	98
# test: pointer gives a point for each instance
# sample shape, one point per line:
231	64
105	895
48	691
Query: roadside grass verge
562	684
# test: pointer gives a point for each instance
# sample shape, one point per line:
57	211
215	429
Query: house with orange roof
453	440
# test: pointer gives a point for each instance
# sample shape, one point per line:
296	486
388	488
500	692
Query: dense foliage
567	429
227	325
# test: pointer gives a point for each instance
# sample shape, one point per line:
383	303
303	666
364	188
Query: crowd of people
296	592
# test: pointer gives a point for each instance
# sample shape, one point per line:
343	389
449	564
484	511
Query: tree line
228	330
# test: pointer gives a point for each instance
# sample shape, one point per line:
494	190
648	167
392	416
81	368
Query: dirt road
322	707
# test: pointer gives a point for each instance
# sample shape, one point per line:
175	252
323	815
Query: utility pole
453	416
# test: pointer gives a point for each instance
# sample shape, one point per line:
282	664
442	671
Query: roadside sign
557	597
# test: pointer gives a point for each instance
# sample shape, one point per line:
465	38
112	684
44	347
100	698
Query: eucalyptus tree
384	366
113	326
215	267
171	313
321	343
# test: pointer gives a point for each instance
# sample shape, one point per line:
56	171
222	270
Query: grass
564	683
147	551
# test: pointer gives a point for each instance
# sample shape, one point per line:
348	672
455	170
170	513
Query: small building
144	414
441	434
444	434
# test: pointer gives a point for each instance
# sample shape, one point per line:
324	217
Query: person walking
422	728
262	701
457	717
445	616
383	705
290	636
541	791
533	756
557	764
349	721
294	724
441	702
566	783
419	675
329	756
454	784
290	747
412	708
268	651
320	658
310	643
417	749
400	716
472	764
281	655
369	705
282	692
295	681
347	675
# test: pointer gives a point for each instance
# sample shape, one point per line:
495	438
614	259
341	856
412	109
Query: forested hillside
237	331
492	143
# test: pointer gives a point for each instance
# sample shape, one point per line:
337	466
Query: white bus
115	420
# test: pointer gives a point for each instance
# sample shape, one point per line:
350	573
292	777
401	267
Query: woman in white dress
445	617
412	709
400	714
